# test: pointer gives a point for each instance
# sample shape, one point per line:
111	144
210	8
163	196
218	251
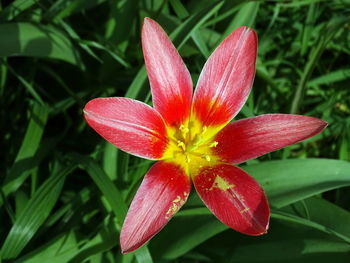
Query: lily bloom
191	137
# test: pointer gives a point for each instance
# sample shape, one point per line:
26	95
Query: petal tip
148	22
128	244
319	125
246	28
324	124
263	230
124	249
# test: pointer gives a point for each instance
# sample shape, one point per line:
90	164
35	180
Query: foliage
65	192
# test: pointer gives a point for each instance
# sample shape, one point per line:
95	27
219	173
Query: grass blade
34	214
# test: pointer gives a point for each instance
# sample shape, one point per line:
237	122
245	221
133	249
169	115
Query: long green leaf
245	17
34	214
15	8
26	39
105	184
330	30
288	181
26	160
60	249
113	196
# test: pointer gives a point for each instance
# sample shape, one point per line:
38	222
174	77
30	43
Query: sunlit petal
170	80
226	79
163	191
130	125
234	197
249	138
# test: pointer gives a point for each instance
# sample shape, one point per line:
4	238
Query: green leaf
288	181
103	241
34	214
179	9
143	256
105	184
330	78
186	232
26	160
245	17
307	28
15	8
319	214
192	227
26	39
110	160
59	249
113	196
329	31
67	248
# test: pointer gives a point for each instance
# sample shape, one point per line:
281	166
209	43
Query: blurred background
65	191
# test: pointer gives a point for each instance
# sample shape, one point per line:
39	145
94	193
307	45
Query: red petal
130	125
234	197
170	80
226	79
249	138
163	191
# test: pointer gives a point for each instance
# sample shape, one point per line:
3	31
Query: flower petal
234	197
226	79
130	125
163	191
170	80
249	138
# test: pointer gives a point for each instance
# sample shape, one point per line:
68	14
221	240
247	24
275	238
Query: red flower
192	137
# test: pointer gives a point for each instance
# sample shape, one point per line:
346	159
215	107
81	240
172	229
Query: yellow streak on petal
175	206
244	210
221	184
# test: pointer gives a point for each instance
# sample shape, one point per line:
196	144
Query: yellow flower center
190	145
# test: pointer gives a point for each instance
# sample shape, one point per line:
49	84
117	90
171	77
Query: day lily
192	138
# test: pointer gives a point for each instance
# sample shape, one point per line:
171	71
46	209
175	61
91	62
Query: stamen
204	129
188	158
207	157
213	144
184	129
182	145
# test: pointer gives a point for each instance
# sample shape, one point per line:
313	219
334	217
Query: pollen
207	157
182	145
244	210
213	144
184	129
221	183
175	205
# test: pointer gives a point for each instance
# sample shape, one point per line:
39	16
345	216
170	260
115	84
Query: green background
65	191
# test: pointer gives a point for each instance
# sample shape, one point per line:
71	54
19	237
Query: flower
192	138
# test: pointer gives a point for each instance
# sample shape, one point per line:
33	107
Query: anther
182	145
204	129
207	157
187	158
213	144
184	129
